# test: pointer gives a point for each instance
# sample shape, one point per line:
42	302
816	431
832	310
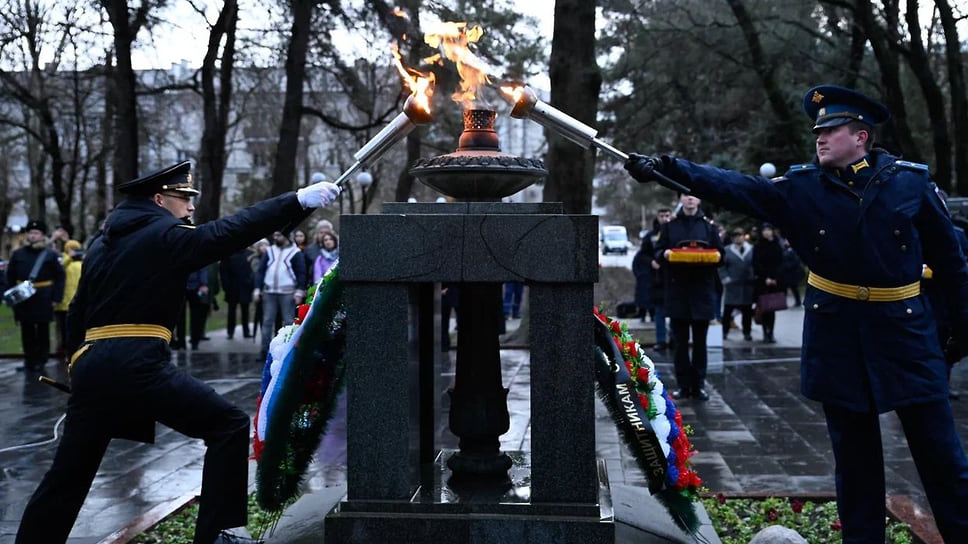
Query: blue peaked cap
832	106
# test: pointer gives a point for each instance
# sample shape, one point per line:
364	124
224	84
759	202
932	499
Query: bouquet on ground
647	419
301	381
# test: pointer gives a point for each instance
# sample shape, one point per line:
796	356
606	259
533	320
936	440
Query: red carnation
644	401
835	525
617	327
642	374
301	312
632	350
796	506
721	498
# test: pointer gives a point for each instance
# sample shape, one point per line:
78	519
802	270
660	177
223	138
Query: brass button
903	247
850	183
815	306
823	232
863	293
897	232
910	311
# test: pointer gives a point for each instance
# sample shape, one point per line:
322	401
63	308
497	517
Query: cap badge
817	97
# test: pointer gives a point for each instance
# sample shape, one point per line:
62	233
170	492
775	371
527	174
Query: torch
527	106
413	114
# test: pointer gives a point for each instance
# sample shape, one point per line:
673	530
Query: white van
615	239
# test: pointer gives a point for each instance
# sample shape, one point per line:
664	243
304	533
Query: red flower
721	498
772	514
836	525
678	419
617	328
642	374
644	401
796	506
633	352
301	312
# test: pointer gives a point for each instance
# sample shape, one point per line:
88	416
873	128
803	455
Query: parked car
615	239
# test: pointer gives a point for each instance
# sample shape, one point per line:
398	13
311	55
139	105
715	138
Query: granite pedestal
398	482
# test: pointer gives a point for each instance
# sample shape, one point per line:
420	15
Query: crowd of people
751	264
273	274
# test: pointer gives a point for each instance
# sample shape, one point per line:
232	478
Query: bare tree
126	24
216	107
957	89
575	83
284	165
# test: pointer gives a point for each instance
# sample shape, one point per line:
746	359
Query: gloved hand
641	167
318	195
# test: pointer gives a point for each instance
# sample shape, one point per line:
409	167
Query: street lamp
365	179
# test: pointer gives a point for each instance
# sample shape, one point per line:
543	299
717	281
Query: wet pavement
755	435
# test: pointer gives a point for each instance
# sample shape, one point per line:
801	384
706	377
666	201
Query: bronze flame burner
478	170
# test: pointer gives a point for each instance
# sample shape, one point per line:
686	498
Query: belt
120	331
870	294
45	283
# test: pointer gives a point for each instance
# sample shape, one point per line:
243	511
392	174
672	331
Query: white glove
317	195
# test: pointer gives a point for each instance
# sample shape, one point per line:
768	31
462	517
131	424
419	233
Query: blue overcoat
876	231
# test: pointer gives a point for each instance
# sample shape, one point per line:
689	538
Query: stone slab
642	519
501	208
469	248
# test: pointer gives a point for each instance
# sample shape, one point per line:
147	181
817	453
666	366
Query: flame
421	84
453	41
512	92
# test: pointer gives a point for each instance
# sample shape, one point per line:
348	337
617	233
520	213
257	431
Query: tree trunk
899	132
211	167
933	97
284	167
788	123
125	162
575	84
959	99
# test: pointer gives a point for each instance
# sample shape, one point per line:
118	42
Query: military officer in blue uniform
864	222
119	327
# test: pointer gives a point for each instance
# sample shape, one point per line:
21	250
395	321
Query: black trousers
690	374
243	318
746	310
35	338
120	388
938	455
197	314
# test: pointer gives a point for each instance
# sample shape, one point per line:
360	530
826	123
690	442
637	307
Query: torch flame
512	92
453	41
421	84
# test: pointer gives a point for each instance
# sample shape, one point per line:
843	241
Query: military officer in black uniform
863	222
119	326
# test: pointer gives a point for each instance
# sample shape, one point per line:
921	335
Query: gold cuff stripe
46	283
127	331
870	294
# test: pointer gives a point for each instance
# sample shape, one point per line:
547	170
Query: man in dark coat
658	281
689	291
864	222
236	275
120	322
35	314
